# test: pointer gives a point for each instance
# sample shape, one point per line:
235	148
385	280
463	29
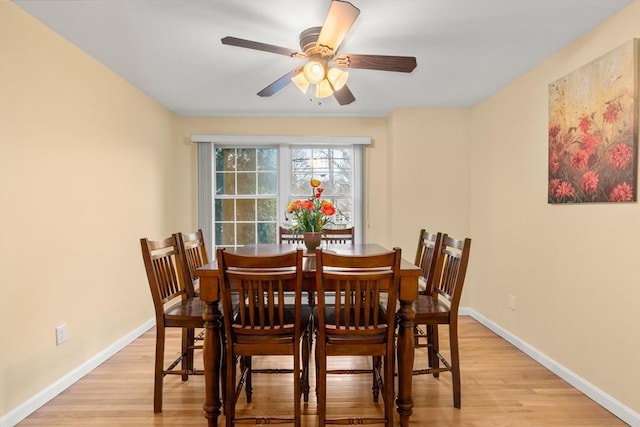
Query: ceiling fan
324	67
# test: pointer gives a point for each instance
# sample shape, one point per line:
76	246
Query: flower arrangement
312	214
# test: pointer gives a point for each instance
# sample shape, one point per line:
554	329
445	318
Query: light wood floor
501	386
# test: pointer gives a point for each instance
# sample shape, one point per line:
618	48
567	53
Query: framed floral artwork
593	130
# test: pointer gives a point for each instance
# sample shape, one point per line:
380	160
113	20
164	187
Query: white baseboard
29	406
621	411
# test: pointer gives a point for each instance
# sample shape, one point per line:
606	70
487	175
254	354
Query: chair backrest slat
363	292
165	272
288	236
451	269
426	256
194	252
339	236
260	284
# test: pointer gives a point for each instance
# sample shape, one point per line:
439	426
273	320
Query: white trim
281	139
206	182
621	411
618	409
32	404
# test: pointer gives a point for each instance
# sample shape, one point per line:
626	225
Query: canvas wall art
593	130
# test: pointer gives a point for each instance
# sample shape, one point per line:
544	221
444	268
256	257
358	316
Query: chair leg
306	352
375	387
229	402
188	335
321	383
455	363
297	389
223	371
159	367
433	348
389	389
248	385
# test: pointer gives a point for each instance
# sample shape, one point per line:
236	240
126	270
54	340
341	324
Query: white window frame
206	174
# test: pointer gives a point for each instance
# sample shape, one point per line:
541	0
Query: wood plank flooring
501	386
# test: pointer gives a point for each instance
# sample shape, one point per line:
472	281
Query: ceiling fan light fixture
337	78
323	89
301	82
314	72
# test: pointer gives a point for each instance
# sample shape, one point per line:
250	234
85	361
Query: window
245	201
245	183
332	166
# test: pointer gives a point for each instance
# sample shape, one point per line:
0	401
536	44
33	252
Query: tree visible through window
246	191
332	166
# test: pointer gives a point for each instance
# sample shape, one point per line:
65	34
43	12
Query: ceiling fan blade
402	64
279	84
249	44
344	96
339	20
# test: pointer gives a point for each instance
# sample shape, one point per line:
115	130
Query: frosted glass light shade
301	82
323	89
337	77
313	72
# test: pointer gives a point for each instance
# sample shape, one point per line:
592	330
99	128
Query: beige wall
428	174
574	270
85	171
83	151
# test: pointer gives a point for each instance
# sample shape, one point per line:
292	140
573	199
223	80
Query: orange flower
315	182
328	209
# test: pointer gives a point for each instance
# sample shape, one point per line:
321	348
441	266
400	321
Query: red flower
620	156
610	114
585	123
564	189
553	184
306	204
553	131
580	159
621	193
590	182
554	163
589	142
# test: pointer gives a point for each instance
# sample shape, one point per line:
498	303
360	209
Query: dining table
213	345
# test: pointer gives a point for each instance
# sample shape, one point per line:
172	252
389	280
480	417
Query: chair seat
185	313
428	307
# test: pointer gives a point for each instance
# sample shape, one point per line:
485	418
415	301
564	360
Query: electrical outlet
511	302
61	334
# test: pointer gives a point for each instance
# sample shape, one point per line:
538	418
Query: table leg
405	352
211	354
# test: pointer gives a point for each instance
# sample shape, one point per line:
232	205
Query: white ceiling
465	49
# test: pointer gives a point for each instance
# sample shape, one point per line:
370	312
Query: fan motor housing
308	41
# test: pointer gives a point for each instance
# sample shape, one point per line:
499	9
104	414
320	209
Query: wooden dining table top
407	269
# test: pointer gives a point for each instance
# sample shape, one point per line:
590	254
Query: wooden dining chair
194	249
288	236
426	257
441	307
339	236
357	319
175	306
264	323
